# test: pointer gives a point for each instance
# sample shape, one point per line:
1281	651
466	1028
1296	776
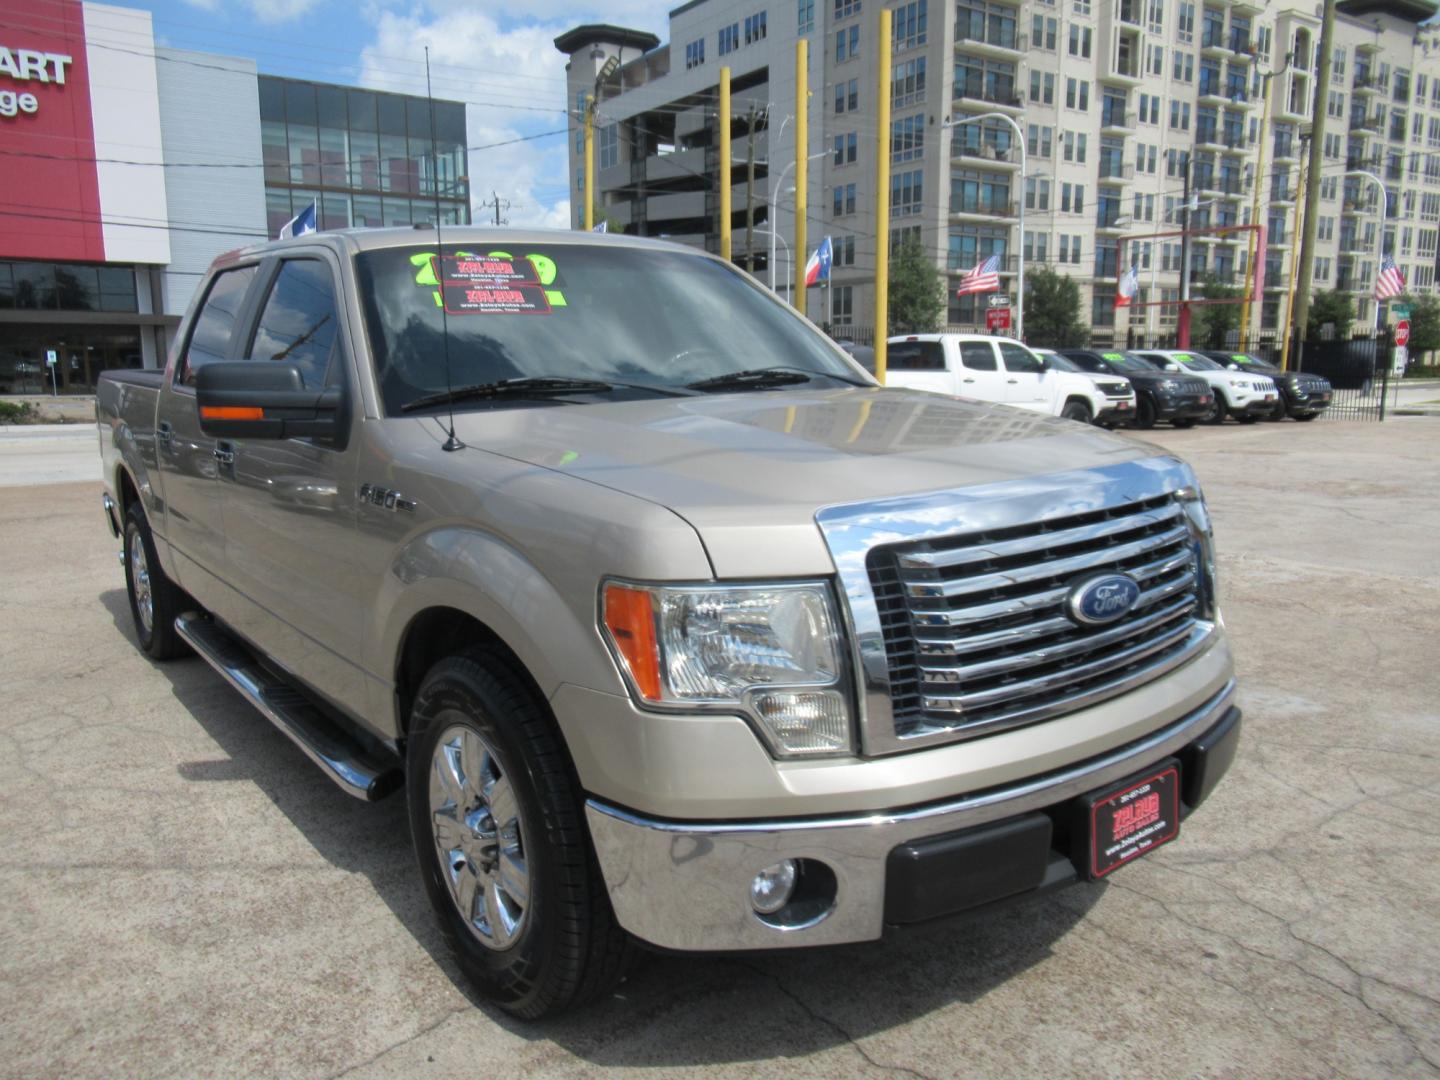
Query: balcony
1372	124
986	154
1002	43
1116	170
978	95
1212	91
1362	205
1242	49
984	210
1116	120
1212	40
1207	137
1366	84
1111	220
1124	73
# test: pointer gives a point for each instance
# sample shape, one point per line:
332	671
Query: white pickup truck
1003	371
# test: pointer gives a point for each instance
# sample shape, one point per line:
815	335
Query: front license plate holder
1132	818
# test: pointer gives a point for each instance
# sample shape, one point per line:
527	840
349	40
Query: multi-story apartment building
1114	98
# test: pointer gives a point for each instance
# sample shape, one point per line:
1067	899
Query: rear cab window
978	356
915	356
210	338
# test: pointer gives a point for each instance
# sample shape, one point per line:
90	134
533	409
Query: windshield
1129	363
1061	363
607	313
1253	363
1196	363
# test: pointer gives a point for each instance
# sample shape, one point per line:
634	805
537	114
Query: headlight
771	652
1203	544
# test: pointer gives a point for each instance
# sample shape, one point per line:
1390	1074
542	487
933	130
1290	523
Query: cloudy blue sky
504	66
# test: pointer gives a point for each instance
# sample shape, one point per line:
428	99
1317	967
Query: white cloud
512	79
267	11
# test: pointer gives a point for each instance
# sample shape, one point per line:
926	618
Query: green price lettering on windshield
1117	357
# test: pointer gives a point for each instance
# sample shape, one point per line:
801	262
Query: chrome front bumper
684	885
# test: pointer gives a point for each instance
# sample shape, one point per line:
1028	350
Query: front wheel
1247	418
1183	423
1144	414
497	820
1077	411
1307	417
155	600
1216	415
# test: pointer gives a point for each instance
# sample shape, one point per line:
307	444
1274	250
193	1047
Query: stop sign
1402	332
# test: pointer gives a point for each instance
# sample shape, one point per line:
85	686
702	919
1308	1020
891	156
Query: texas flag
818	266
1129	284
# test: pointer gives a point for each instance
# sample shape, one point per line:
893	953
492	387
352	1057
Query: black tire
1308	416
155	600
1183	422
1247	418
1216	415
567	947
1144	414
1277	413
1077	411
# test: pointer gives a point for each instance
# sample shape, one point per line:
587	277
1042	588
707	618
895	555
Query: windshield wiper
534	387
759	378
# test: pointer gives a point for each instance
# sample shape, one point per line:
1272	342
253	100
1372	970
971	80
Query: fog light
771	889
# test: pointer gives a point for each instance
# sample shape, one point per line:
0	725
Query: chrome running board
358	770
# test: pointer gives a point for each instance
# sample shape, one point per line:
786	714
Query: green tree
1330	306
917	291
1052	311
612	223
1213	321
1424	323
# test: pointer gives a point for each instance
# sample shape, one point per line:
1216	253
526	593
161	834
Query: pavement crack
833	1025
402	1042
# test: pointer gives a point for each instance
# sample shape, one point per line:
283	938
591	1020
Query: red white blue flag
983	277
1129	285
817	268
1391	281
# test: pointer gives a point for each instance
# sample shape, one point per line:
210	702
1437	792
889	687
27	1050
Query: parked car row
1120	388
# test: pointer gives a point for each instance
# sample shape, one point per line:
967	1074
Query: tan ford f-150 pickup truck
673	626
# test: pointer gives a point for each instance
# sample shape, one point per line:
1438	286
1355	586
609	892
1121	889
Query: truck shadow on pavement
777	1005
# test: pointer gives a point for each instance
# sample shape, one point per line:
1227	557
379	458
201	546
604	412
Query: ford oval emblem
1103	599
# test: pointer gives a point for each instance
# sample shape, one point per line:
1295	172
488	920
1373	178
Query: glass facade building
364	158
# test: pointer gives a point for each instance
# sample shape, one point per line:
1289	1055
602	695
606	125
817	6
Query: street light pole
774	235
950	122
1379	229
776	191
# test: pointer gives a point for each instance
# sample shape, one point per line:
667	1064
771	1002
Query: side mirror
264	400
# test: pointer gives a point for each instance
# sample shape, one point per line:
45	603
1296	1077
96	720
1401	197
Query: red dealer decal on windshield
490	285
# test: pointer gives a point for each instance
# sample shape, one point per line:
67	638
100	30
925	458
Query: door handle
967	380
224	455
1012	382
165	433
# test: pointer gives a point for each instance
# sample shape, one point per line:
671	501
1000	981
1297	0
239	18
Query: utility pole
589	214
802	166
882	195
725	163
1312	181
1291	316
497	204
1265	77
750	193
1183	327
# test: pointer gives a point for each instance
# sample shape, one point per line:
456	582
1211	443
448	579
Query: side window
298	322
210	340
915	356
1086	363
978	356
1019	358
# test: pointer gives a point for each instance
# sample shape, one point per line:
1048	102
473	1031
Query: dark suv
1159	395
1302	395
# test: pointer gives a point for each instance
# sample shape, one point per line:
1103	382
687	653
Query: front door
1025	378
290	504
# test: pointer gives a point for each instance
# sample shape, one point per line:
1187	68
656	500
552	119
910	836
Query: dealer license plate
1134	819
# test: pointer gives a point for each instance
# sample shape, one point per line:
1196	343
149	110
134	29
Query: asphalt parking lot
186	895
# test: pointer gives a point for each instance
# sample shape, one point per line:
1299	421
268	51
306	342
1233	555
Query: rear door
918	365
186	456
980	374
290	504
1026	384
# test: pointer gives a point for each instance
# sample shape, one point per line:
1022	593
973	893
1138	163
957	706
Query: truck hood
750	470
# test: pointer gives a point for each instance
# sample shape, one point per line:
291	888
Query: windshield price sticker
487	270
1113	356
480	300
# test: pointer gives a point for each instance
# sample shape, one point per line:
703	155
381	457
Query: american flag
1391	281
983	278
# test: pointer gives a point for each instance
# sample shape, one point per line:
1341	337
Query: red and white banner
81	176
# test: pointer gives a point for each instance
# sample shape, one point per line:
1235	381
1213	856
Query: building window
847	96
908	83
1038	141
843	299
908	29
1074	147
844	199
845	8
729	39
847	43
900	237
1035	247
66	287
1102	311
1042	87
1042	33
754	28
1080	41
694	54
845	148
1072	198
907	138
805	22
906	193
1037	193
844	250
1077	94
609	144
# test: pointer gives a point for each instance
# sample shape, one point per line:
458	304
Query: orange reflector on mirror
231	412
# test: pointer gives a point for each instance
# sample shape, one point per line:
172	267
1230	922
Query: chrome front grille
975	628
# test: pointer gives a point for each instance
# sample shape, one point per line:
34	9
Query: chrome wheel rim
140	582
479	837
